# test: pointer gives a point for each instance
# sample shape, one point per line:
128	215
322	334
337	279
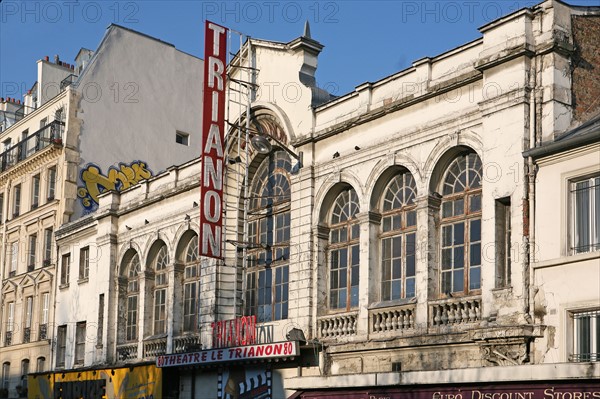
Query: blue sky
364	40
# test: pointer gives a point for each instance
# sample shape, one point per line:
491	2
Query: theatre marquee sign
236	354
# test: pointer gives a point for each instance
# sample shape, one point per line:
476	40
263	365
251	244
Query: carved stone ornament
506	353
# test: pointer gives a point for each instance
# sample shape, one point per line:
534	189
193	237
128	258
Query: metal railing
50	134
43	331
27	335
66	82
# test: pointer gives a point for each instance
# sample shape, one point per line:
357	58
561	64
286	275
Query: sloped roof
584	134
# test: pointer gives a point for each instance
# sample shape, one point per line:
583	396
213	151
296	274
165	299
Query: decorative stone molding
505	353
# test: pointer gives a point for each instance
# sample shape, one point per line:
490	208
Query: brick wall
586	67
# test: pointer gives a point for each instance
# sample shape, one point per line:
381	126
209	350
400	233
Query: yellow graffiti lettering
117	179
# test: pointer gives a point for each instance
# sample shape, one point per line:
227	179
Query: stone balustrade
455	311
186	343
339	325
155	347
127	351
389	319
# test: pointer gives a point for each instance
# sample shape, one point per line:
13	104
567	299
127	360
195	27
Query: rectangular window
1	208
267	293
16	200
35	191
182	138
280	299
44	316
50	192
190	292
344	265
132	309
28	319
10	320
61	346
398	266
23	151
80	334
84	263
160	311
43	122
100	330
503	247
585	214
14	258
48	246
65	264
32	252
586	337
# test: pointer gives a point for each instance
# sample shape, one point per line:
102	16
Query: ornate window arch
267	277
132	272
343	251
461	226
398	238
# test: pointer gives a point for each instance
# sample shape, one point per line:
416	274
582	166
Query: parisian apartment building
431	235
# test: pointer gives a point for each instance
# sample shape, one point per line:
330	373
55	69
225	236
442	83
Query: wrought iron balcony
27	335
51	134
7	338
43	331
66	82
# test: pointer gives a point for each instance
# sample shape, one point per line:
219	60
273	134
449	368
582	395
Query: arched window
41	364
24	372
344	251
133	291
5	375
161	280
398	232
267	275
191	285
461	226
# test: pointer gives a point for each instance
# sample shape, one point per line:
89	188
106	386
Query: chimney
56	59
46	58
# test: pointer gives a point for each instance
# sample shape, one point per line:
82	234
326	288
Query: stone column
146	306
174	303
368	242
427	256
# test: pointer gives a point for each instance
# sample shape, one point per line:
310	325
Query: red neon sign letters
213	121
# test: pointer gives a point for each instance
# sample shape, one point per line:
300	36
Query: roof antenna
306	30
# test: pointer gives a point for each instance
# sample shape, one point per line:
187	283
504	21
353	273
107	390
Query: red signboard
536	390
241	353
213	125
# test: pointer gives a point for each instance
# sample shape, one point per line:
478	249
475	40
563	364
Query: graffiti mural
117	178
137	382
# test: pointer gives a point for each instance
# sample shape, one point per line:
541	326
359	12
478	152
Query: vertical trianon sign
213	121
